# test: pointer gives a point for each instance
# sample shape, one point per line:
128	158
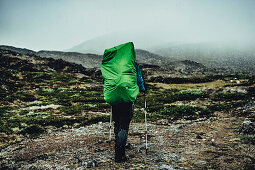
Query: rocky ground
213	143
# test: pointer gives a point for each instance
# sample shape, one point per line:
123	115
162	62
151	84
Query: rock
65	127
199	137
129	146
76	124
200	162
166	166
234	140
89	164
247	128
160	156
99	150
141	147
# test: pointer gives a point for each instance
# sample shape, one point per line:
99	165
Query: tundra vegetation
36	100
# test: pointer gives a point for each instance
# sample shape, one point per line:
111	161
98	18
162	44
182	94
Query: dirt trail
200	144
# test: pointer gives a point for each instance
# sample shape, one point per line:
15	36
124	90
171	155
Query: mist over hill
189	61
233	56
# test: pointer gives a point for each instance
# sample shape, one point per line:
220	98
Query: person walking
122	82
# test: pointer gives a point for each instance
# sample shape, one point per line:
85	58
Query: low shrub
190	94
184	111
4	111
251	91
221	96
41	76
33	130
73	110
96	119
220	107
25	96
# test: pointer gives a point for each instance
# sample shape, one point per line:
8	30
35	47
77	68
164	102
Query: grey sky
62	24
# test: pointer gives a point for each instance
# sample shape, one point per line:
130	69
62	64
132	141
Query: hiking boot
123	155
118	157
120	154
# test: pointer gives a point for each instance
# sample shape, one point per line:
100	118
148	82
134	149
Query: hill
233	57
143	57
230	56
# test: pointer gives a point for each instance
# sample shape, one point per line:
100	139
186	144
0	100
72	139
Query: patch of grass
251	91
96	119
41	76
184	111
33	130
38	103
222	96
247	139
25	96
213	84
190	94
139	116
63	77
10	98
4	127
73	110
4	110
103	105
220	107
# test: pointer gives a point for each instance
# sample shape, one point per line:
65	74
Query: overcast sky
62	24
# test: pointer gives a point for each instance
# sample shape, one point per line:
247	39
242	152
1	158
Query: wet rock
247	128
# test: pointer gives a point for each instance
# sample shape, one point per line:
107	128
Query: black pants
122	114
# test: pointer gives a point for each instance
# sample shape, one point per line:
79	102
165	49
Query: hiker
122	82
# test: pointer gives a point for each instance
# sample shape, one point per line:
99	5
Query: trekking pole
145	120
110	126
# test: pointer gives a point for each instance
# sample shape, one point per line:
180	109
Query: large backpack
119	73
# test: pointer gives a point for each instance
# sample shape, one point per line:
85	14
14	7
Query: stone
200	162
89	164
247	128
199	137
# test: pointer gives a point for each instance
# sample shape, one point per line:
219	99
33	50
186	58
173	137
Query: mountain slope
234	57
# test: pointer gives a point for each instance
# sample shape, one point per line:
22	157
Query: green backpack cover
119	72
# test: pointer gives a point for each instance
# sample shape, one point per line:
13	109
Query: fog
62	24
